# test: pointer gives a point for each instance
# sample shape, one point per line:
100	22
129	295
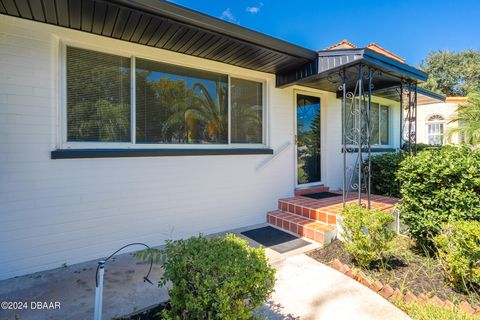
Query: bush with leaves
384	169
367	234
459	250
213	278
437	186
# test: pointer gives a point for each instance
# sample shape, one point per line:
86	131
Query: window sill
373	149
134	153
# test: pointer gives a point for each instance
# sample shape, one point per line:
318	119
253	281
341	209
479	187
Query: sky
410	29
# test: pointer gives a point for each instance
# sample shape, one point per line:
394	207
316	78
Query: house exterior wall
447	110
67	211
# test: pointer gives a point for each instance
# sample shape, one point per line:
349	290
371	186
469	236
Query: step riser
314	214
302	230
301	192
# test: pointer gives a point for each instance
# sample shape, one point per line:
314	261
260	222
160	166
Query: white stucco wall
67	211
445	109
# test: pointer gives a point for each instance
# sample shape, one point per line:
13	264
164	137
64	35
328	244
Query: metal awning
327	71
168	26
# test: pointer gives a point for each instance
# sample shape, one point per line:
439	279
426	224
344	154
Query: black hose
145	278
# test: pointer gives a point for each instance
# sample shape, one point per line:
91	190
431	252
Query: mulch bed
148	314
409	270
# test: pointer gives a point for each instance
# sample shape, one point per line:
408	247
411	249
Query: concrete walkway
305	289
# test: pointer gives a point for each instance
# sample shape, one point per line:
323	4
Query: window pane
98	96
374	123
383	125
246	112
180	105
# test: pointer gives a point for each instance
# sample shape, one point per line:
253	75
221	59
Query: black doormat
275	239
321	195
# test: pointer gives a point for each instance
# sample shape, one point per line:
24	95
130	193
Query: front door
308	140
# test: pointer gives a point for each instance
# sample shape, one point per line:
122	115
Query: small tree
468	119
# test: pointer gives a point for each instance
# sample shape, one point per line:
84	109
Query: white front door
307	140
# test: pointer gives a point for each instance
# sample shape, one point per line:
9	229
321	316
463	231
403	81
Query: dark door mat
275	239
321	195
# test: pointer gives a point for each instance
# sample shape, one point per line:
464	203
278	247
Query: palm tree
468	119
200	107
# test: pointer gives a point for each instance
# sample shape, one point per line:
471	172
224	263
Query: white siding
67	211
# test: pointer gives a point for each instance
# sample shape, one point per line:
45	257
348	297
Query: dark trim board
135	153
374	150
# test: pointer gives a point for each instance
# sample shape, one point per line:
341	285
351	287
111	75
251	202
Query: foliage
452	73
428	311
383	174
468	119
459	250
214	278
367	233
437	186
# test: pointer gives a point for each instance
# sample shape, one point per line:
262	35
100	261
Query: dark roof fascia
376	58
195	18
392	64
431	94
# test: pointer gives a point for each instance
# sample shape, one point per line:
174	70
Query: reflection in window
98	96
180	105
246	112
435	128
379	123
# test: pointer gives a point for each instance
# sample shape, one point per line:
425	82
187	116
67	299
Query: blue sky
406	27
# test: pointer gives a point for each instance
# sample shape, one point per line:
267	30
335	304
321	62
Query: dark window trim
133	153
373	150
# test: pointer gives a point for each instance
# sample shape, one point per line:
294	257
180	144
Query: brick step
324	211
302	226
303	191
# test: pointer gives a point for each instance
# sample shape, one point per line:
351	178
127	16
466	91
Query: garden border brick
390	293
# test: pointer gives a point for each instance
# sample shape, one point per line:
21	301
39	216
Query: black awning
327	72
168	26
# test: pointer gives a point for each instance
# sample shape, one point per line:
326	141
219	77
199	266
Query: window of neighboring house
435	128
379	123
171	104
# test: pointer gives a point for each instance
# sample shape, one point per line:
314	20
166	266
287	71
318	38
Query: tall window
379	123
171	104
98	97
247	111
435	129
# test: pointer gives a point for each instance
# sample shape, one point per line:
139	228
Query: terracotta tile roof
342	45
456	99
375	47
345	44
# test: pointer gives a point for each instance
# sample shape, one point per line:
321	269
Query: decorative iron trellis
408	117
356	133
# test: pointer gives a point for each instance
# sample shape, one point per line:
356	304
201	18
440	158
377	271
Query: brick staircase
304	216
316	219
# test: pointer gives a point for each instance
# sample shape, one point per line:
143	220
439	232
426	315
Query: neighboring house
141	121
433	121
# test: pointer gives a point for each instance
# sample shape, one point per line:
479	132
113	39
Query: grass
428	311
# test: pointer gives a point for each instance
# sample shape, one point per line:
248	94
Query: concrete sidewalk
305	289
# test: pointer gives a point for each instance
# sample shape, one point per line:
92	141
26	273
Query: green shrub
459	250
214	278
367	233
384	168
437	186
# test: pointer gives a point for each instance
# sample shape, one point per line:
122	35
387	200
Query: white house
144	121
435	120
